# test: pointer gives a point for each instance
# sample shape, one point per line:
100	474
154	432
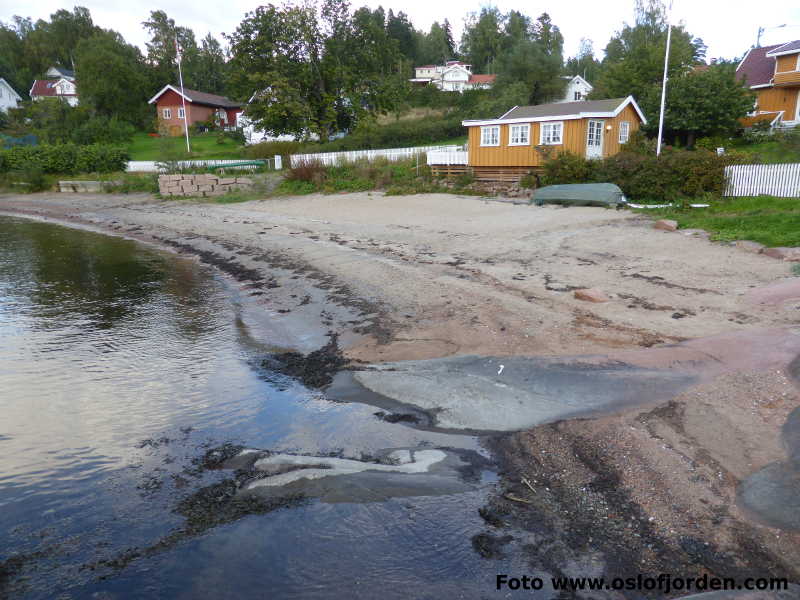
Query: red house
200	106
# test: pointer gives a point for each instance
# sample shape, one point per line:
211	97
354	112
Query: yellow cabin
773	73
521	139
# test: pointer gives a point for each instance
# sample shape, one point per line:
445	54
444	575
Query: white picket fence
450	157
151	166
773	180
392	154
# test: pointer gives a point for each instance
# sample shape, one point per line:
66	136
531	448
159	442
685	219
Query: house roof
562	111
8	85
47	87
756	67
197	97
482	78
63	72
787	48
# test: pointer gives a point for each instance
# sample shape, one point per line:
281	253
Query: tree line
321	67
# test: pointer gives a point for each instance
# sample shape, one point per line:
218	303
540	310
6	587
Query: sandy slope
437	275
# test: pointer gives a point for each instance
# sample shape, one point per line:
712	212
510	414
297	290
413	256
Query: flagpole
664	82
183	97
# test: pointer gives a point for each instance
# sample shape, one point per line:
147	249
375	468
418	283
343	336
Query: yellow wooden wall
574	140
774	99
787	62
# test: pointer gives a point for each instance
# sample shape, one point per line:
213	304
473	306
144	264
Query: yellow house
773	73
520	140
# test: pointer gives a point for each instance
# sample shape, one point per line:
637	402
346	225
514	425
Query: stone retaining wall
201	185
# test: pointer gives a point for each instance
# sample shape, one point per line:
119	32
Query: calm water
118	365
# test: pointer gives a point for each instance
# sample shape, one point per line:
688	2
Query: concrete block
204	188
227	180
246	180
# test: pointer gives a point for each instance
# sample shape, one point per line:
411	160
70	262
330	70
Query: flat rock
782	253
749	246
775	293
666	225
591	295
696	233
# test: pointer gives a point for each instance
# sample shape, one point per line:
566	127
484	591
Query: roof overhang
164	90
760	86
580	115
778	52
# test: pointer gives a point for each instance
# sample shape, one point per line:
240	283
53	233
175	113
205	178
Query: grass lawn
765	219
204	146
768	151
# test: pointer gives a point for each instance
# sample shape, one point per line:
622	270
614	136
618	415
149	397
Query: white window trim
166	113
181	113
485	127
551	124
526	127
626	127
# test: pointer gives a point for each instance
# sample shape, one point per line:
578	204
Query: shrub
270	149
65	159
674	176
306	171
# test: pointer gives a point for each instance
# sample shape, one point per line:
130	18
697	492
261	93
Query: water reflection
104	344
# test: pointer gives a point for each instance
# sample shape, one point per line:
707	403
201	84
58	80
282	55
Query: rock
666	225
782	253
591	295
696	233
749	246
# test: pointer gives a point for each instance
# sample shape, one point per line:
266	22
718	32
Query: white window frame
181	113
166	113
551	140
624	132
487	128
522	127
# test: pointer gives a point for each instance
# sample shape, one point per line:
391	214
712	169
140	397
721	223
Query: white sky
728	27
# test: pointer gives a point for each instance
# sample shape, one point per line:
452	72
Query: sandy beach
649	487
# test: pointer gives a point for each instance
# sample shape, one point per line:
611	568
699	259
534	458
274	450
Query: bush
306	171
65	159
270	149
674	176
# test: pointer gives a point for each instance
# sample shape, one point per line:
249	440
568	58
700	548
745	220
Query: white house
453	76
63	88
59	72
577	88
8	97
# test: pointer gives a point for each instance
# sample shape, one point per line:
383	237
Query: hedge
674	176
64	159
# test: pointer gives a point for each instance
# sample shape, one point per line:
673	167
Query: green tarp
580	194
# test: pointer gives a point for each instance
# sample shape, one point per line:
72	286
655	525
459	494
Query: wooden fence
393	154
773	180
450	157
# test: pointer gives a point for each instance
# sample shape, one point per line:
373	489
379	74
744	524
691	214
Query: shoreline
645	489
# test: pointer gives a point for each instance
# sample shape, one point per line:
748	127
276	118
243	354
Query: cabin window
551	133
577	96
624	132
520	135
490	135
166	113
181	113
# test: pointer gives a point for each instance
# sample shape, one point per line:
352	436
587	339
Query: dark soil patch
397	417
656	280
490	546
315	369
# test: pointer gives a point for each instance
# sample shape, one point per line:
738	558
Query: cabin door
594	139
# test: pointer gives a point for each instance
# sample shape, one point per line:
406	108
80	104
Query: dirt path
438	275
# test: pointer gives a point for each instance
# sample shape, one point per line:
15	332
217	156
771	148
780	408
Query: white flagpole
183	97
664	82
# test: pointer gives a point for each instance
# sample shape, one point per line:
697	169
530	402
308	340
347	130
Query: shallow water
119	364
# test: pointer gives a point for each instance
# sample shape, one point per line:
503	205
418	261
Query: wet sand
649	487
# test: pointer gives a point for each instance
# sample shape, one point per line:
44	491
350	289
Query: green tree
112	77
400	29
162	54
210	69
482	40
314	68
584	63
634	61
706	102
